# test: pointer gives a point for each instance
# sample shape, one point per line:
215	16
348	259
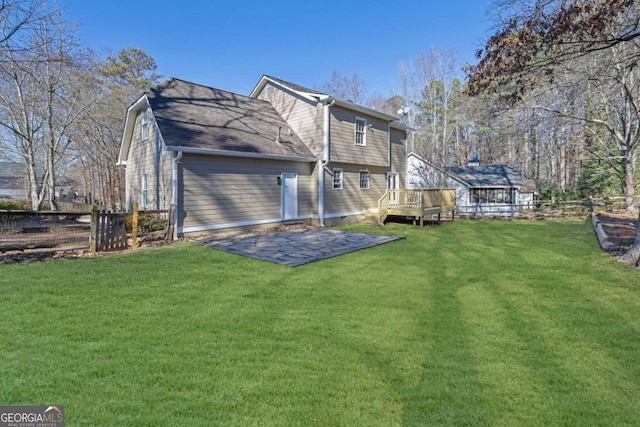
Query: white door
289	196
393	183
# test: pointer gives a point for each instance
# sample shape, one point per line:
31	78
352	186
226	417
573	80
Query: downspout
325	159
174	191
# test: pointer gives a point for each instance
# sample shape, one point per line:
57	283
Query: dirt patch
49	254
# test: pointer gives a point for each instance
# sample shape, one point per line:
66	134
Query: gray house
283	154
480	189
12	184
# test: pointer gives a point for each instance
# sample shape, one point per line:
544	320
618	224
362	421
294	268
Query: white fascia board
397	125
263	81
368	165
191	150
256	90
364	110
127	134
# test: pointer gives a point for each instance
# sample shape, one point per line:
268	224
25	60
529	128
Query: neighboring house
283	154
12	183
481	189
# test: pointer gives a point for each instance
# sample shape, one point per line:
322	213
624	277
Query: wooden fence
543	208
109	229
102	230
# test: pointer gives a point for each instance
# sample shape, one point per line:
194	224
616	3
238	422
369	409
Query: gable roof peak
317	96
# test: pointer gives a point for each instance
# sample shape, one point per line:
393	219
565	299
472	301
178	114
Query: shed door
289	196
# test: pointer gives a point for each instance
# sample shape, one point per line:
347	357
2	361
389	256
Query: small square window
337	179
361	132
364	180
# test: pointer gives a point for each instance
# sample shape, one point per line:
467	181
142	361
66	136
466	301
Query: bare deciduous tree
352	88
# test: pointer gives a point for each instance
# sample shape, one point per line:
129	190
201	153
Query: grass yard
470	323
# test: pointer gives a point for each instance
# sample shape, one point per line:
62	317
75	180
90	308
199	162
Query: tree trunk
629	180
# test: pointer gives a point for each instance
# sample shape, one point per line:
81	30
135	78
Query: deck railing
415	199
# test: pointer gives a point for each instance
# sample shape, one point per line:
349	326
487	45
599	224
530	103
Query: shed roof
200	117
11	170
507	176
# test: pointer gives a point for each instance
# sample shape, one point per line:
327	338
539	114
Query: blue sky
231	44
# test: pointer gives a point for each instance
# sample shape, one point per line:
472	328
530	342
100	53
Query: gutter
325	158
174	191
210	152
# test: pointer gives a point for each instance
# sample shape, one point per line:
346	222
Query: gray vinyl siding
147	157
222	190
399	154
351	198
343	147
304	116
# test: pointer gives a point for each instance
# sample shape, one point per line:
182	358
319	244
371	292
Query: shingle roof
11	170
489	175
295	86
195	116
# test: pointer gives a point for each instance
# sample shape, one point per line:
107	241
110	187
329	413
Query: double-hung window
361	132
364	180
337	178
144	125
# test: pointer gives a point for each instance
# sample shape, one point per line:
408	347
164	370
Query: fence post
170	222
93	233
134	226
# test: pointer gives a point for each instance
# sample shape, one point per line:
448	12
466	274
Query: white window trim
364	131
360	172
333	181
144	125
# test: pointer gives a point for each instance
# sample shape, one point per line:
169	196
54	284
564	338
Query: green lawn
470	323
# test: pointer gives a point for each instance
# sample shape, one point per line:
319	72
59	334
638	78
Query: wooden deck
417	203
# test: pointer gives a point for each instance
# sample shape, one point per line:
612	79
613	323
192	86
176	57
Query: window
491	195
364	180
361	131
145	191
268	92
337	179
144	125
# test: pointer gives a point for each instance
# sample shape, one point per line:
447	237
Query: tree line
62	105
555	91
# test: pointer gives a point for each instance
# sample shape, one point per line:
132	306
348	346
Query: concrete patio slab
295	247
